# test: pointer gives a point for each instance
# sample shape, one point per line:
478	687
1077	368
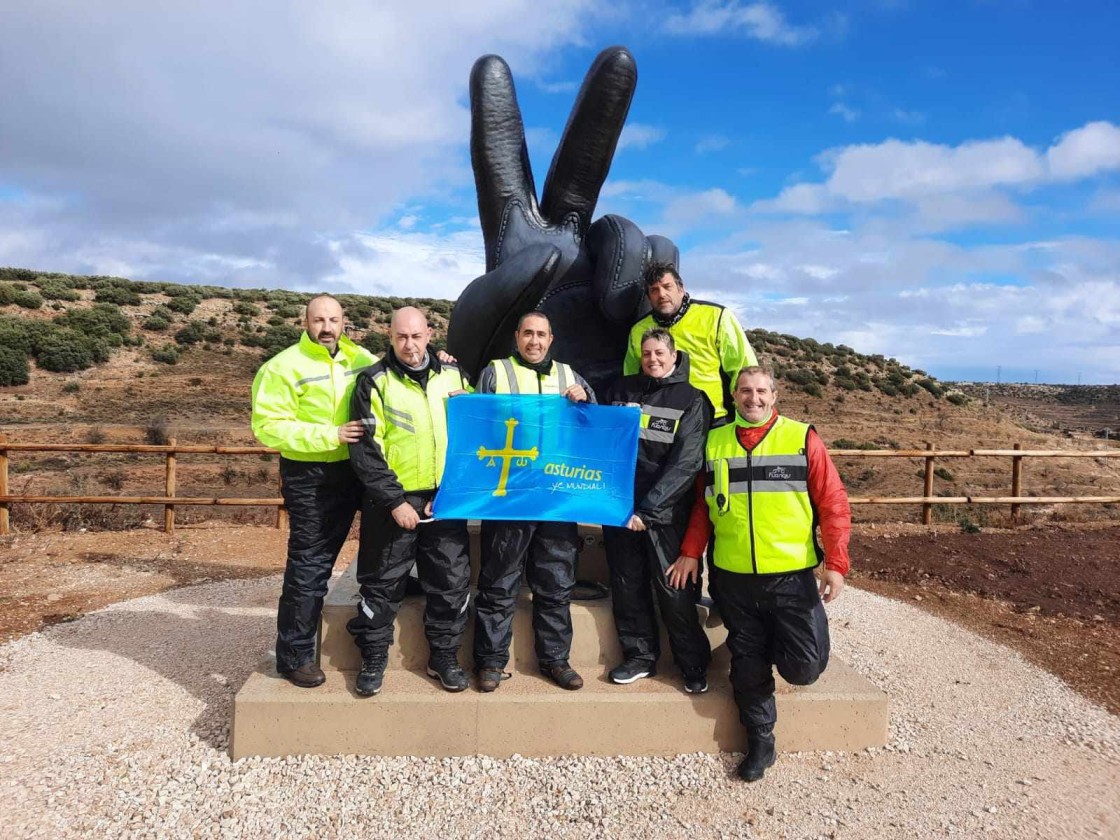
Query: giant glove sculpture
586	277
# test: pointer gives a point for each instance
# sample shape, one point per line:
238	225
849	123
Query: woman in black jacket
643	556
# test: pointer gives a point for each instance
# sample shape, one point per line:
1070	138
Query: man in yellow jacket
710	334
301	406
402	404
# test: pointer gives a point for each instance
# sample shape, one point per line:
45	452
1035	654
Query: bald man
301	406
401	404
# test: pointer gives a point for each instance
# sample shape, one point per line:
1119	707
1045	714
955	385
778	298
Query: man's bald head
409	332
324	321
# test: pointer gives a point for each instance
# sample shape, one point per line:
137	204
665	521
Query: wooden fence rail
172	449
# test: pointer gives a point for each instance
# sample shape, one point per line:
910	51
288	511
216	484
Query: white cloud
408	264
711	143
1093	148
217	133
909	117
640	136
760	21
849	115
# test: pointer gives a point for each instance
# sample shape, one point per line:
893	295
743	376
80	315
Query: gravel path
116	725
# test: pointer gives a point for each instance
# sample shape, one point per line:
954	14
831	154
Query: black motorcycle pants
546	553
772	621
386	554
638	561
322	499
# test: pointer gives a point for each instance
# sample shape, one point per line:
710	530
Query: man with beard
716	346
301	405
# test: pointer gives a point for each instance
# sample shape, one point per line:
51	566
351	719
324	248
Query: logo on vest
778	474
508	455
661	424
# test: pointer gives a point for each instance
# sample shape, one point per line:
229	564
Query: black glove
586	277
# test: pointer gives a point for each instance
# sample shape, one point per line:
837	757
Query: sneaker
444	666
490	678
632	670
372	674
695	680
307	675
563	675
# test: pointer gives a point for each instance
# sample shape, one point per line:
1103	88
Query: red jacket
826	494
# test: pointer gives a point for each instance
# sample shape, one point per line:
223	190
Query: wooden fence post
927	489
281	511
169	491
4	524
1016	482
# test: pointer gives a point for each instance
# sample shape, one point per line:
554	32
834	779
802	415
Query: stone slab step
531	716
594	640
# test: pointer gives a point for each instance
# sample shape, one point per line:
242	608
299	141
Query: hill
90	359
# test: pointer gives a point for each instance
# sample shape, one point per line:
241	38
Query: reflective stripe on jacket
302	395
405	447
511	377
715	344
758	501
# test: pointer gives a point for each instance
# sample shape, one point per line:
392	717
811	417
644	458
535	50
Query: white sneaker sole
632	679
703	690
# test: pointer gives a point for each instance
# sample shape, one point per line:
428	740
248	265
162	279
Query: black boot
760	754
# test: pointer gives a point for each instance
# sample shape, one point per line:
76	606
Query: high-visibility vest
758	501
302	395
410	423
716	346
511	377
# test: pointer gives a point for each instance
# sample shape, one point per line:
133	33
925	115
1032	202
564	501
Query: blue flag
539	458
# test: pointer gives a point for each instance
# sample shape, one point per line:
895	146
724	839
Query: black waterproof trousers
546	552
386	554
321	499
638	560
772	620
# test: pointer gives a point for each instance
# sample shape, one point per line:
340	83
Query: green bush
279	338
846	443
813	389
156	323
16	335
245	308
66	351
119	295
931	386
957	398
28	299
941	472
184	304
14	369
103	320
192	333
168	354
376	342
71	388
55	289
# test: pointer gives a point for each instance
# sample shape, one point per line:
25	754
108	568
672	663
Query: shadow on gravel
207	650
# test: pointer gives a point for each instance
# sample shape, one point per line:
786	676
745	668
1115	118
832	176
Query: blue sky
936	181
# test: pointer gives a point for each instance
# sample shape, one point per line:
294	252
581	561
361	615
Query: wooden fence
170	500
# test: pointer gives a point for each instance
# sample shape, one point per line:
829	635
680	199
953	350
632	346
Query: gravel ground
117	725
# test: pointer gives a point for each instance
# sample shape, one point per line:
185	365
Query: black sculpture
549	256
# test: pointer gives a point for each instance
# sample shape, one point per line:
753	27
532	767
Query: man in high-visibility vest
301	406
401	403
546	551
767	482
709	333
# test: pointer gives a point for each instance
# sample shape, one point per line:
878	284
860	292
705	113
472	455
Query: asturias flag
538	458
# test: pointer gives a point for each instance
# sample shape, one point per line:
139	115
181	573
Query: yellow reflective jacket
302	395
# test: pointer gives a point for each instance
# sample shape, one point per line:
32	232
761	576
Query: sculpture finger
665	250
485	315
620	253
584	155
499	156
